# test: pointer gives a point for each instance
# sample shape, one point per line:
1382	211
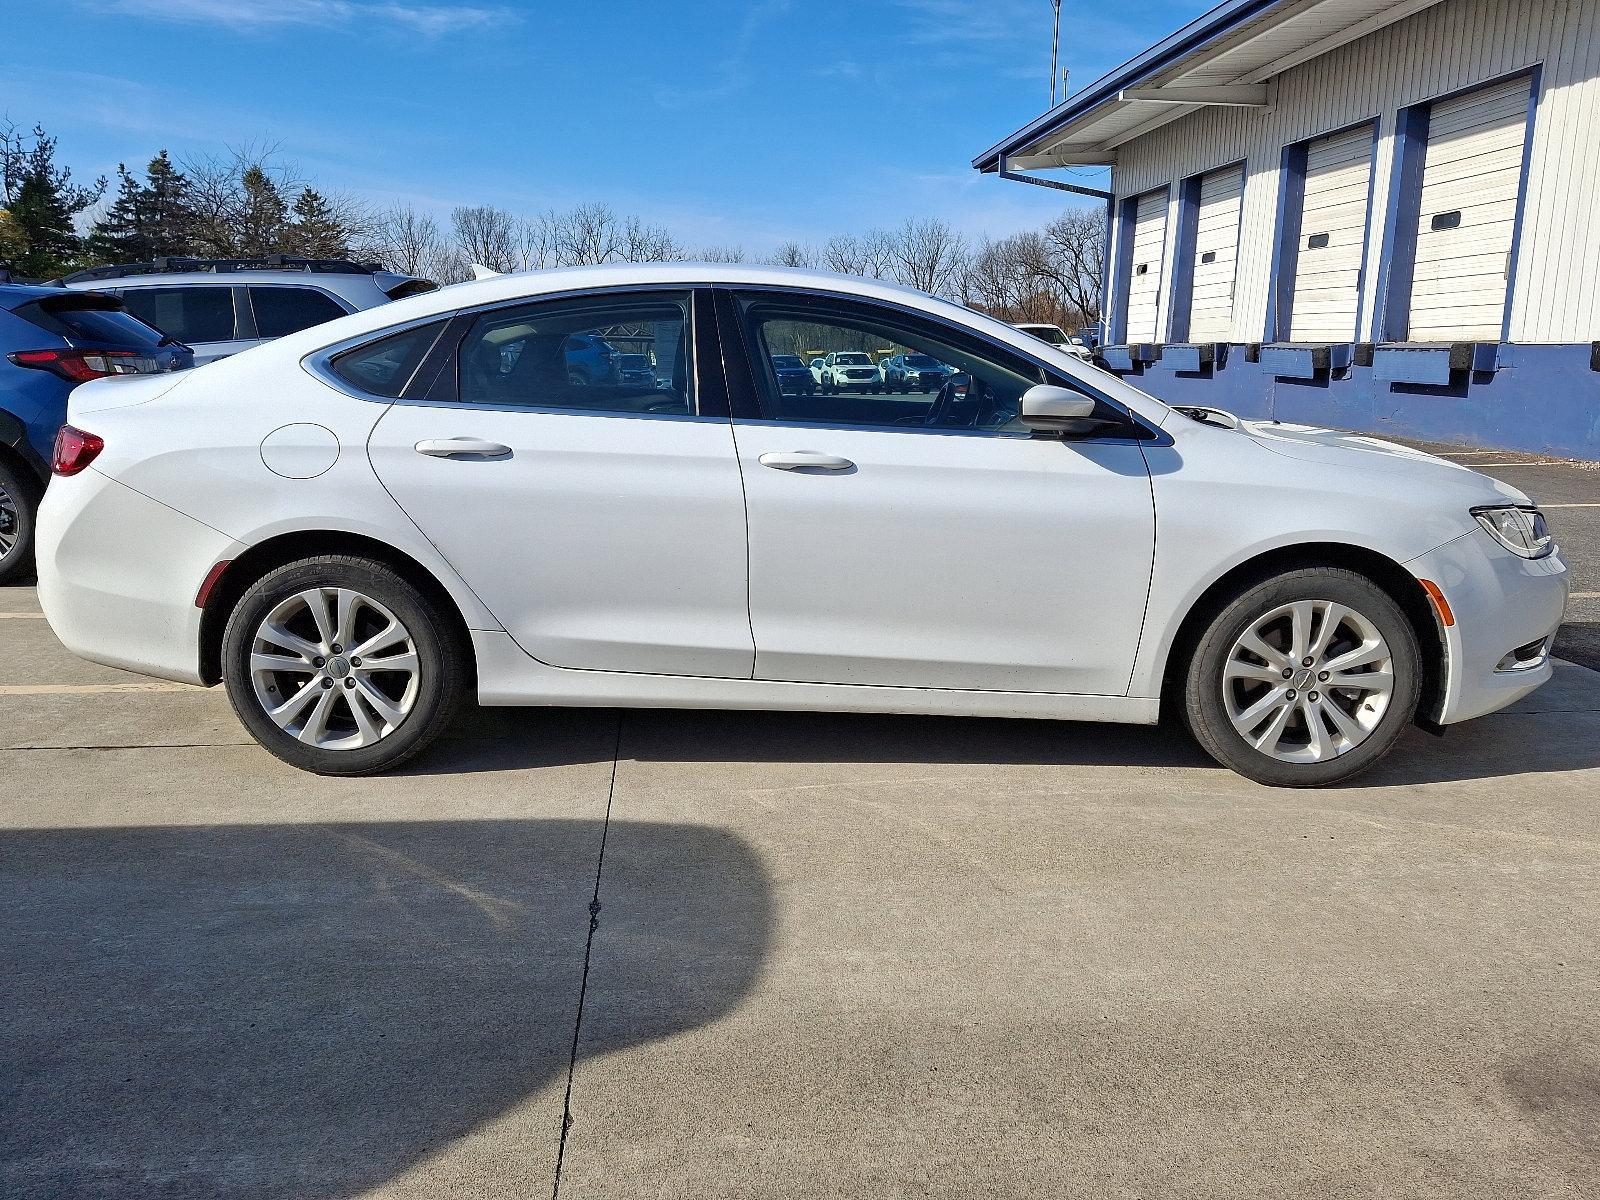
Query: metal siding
1144	280
1327	281
1441	50
1217	234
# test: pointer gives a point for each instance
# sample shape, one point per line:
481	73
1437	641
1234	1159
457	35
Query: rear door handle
463	447
794	460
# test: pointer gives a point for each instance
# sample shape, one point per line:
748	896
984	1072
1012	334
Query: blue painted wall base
1543	399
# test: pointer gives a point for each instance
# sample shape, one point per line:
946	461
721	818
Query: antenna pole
1055	44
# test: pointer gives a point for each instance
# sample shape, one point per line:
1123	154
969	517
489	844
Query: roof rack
219	266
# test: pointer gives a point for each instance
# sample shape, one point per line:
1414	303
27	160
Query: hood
1359	452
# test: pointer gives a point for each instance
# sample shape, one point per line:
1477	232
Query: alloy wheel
10	522
1308	681
334	668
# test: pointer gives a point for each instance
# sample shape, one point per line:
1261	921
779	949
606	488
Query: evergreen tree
119	235
43	202
168	208
263	215
316	231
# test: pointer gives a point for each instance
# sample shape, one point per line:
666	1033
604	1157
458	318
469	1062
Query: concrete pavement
834	956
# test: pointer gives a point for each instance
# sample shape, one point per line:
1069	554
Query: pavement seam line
588	948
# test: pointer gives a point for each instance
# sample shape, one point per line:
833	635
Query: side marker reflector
1440	604
210	581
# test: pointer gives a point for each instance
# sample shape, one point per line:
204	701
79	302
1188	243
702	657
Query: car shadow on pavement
310	1010
514	739
1559	719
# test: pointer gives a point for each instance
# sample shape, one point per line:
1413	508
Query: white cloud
429	20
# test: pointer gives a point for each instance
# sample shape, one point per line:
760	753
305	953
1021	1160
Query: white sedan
360	527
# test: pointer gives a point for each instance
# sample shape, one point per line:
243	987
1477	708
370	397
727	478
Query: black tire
19	497
1205	707
442	658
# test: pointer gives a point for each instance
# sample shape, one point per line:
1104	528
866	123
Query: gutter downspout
1095	193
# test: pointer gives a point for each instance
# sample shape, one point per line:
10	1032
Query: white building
1379	214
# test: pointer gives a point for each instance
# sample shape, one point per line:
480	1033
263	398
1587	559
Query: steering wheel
943	407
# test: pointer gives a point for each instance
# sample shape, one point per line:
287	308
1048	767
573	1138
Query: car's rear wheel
340	666
18	503
1304	680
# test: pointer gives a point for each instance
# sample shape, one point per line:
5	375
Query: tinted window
285	310
190	314
90	320
982	390
568	354
385	366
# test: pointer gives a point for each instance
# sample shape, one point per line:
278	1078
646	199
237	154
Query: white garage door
1471	175
1144	280
1333	232
1216	252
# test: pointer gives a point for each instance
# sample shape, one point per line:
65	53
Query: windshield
1048	333
853	360
788	362
920	360
634	362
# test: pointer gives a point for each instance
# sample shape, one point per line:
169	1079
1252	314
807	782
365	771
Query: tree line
252	202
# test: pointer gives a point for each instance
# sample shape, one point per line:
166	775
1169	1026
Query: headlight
1520	530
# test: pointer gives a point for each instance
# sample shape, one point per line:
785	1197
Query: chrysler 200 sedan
360	527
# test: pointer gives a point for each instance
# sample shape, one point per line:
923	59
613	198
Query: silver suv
220	306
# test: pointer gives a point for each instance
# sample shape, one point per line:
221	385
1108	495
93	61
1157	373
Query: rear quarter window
384	367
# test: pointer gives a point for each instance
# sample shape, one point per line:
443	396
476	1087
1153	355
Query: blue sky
731	123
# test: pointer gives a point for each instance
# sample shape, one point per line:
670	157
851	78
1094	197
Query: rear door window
284	310
193	315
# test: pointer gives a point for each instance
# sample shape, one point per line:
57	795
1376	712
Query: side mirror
1056	409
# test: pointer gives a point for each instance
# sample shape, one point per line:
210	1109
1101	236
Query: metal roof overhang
1229	56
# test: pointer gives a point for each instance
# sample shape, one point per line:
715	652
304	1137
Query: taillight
75	450
80	366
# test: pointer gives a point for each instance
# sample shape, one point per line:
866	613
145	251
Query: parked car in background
221	306
635	368
794	377
1058	338
318	524
816	369
51	340
913	373
592	361
850	371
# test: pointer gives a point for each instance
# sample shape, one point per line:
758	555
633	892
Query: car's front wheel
340	666
18	502
1304	680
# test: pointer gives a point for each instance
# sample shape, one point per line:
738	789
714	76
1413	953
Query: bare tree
719	254
540	239
1070	255
794	254
643	242
930	255
404	239
871	254
487	236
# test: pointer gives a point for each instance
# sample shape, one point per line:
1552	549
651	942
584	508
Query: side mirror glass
1058	409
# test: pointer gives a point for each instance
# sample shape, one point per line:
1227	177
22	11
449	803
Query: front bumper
1502	604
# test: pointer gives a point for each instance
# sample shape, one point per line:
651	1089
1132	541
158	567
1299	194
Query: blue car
51	340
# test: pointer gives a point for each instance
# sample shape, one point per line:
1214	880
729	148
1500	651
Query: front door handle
463	447
795	460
